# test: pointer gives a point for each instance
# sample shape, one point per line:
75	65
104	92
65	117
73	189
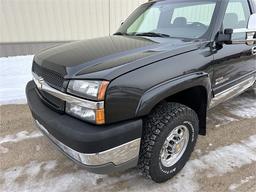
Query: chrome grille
51	77
56	81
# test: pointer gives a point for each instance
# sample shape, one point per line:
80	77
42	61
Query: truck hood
109	57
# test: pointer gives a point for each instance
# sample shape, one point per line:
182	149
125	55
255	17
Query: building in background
28	26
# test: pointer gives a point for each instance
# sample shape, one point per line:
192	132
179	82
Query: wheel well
196	99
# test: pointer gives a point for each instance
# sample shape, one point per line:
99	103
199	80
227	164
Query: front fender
168	88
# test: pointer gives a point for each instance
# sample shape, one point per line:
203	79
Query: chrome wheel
174	146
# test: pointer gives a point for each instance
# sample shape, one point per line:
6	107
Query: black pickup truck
140	96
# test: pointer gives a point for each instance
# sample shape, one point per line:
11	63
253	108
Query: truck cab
140	97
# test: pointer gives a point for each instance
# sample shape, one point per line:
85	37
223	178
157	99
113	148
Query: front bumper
100	149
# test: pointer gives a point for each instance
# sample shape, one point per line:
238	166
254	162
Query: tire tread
152	128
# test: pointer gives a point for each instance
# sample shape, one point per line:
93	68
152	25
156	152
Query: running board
232	91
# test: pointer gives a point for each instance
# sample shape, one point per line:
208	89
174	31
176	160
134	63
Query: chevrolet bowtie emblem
41	81
38	81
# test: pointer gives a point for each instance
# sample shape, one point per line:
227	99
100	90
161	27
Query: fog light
96	116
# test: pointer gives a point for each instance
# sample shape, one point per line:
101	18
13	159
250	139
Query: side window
237	14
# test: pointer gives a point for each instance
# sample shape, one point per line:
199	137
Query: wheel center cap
177	148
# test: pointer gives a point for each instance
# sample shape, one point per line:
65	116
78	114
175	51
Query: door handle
254	50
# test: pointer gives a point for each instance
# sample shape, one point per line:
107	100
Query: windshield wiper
149	34
121	33
152	34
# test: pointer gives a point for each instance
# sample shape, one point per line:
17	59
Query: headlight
88	89
92	111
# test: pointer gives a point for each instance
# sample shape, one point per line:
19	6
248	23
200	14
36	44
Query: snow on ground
15	72
20	136
223	120
231	157
66	182
245	107
3	149
234	186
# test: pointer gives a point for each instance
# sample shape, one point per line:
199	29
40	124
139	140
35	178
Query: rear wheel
169	136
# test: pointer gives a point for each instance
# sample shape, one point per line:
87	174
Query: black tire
157	126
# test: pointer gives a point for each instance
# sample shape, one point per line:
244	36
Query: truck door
234	65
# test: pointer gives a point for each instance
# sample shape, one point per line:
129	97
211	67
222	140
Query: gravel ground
224	160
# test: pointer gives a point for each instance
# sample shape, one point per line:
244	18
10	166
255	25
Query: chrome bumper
117	156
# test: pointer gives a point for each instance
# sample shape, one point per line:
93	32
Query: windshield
183	19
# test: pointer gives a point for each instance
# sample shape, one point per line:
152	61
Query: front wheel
169	136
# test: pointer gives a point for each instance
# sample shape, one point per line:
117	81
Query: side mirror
225	37
250	31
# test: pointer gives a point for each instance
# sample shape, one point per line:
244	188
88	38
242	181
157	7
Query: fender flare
168	88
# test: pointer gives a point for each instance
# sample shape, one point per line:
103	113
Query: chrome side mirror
250	33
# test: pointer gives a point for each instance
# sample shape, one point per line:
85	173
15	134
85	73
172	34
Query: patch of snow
66	182
244	107
216	163
234	186
51	165
198	151
222	120
38	148
250	142
3	150
33	168
14	74
235	155
23	135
